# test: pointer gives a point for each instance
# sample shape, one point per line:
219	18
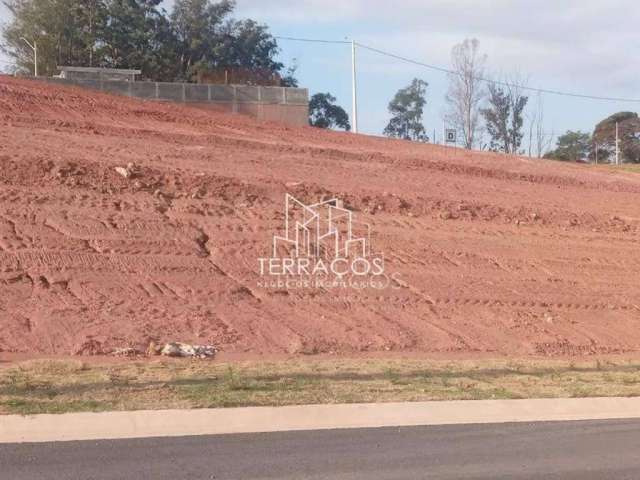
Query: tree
324	113
289	75
137	34
248	44
504	117
539	140
108	33
93	15
496	118
466	91
406	111
196	24
604	136
65	32
208	38
572	146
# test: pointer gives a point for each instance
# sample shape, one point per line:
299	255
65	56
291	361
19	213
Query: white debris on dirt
127	171
179	349
123	171
126	352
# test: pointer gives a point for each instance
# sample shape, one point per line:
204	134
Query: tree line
491	114
473	106
600	146
166	46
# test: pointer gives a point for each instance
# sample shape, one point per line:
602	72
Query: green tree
572	146
92	17
65	32
289	75
208	38
604	136
504	118
138	35
197	25
246	43
496	118
406	109
324	113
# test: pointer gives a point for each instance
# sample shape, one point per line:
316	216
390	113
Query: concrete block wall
282	104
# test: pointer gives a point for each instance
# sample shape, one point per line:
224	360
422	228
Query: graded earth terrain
492	254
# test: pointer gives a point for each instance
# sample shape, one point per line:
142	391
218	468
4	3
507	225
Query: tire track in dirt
494	254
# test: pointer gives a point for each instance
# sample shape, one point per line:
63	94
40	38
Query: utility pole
33	47
617	146
354	93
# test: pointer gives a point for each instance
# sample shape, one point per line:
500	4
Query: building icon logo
321	242
321	230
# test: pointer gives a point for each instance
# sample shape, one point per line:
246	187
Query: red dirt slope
494	254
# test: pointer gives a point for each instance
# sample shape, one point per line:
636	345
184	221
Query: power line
505	84
313	40
482	79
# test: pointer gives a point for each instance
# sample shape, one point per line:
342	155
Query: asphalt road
567	450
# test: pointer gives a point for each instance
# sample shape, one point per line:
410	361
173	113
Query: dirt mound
491	254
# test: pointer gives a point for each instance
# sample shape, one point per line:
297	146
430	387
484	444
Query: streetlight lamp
33	47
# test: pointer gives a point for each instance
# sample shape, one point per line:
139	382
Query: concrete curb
168	423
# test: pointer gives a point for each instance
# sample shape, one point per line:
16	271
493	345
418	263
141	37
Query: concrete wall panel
272	95
171	91
143	89
251	109
263	103
83	76
196	93
120	88
297	96
222	93
247	94
93	84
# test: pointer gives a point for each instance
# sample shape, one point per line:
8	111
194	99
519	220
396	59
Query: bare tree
466	90
539	140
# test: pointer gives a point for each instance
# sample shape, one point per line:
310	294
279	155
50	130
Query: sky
587	47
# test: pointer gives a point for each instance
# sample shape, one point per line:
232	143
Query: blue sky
579	46
587	46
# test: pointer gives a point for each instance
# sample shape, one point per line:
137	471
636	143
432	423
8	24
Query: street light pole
33	47
354	93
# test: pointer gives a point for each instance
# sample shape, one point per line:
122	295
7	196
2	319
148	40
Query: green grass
55	386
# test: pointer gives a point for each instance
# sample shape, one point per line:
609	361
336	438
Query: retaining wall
283	104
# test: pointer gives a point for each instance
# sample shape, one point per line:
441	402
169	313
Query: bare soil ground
496	255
